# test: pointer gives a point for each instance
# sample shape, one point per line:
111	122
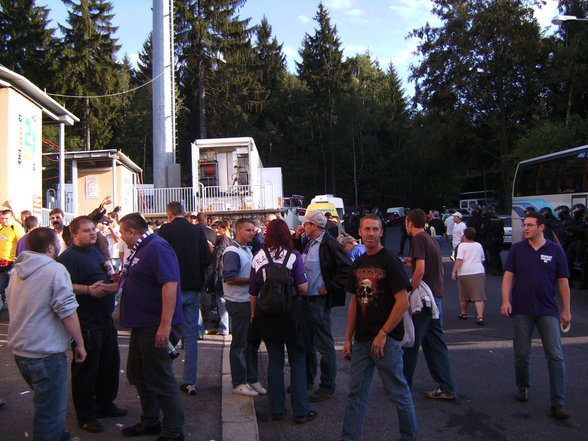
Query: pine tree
89	67
27	44
321	68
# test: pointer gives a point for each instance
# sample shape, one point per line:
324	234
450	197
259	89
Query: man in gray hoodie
43	319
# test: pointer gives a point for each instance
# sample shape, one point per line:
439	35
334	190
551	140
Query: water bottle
172	351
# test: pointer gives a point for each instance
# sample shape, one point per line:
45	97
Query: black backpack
275	296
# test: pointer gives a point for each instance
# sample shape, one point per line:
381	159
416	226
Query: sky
378	26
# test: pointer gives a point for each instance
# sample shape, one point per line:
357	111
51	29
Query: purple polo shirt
535	277
154	264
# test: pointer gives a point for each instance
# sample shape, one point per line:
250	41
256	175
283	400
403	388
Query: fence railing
153	201
45	222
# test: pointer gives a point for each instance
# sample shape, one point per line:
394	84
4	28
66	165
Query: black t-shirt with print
374	280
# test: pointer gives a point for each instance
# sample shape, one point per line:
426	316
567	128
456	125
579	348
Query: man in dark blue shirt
535	268
151	305
95	381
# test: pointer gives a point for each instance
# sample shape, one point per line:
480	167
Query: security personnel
575	237
492	235
563	220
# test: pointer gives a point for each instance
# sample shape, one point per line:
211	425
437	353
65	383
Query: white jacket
423	297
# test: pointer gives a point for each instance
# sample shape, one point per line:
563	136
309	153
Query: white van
330	199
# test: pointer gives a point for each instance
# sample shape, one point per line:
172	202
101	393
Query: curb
239	421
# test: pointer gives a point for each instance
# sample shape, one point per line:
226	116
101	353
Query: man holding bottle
151	306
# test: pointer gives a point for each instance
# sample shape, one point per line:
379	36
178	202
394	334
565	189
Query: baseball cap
458	214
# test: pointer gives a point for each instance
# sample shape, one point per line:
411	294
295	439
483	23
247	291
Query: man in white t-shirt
458	229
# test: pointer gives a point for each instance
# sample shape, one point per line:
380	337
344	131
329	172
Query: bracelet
384	331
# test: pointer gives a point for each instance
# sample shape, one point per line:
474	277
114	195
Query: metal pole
62	166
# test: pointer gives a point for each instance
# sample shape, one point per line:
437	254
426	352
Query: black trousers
150	370
94	383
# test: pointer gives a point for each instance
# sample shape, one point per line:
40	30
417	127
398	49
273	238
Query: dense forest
491	88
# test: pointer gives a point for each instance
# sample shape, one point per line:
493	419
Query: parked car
507	221
395	216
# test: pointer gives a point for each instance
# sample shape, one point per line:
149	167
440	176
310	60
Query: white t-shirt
472	255
122	248
449	222
457	234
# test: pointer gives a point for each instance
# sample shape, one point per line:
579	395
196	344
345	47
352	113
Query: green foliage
27	43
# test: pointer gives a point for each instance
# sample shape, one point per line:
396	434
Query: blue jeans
362	372
190	329
47	377
275	377
4	279
429	333
318	317
242	356
223	325
548	327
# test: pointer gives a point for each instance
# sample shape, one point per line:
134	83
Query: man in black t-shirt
95	381
378	285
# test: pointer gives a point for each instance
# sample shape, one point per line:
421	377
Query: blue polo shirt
154	264
535	277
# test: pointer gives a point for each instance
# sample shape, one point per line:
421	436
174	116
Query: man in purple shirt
535	268
151	305
30	223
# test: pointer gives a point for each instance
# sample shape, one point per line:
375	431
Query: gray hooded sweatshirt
39	296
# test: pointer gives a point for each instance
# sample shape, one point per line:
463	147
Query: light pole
560	20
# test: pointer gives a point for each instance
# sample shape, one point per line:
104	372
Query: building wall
94	184
20	152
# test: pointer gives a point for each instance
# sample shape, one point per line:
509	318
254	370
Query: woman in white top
469	271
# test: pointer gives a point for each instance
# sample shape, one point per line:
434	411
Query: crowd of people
64	281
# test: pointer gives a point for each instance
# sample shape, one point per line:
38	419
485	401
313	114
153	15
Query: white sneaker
245	389
257	387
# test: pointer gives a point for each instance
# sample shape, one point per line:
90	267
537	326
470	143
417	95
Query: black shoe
180	437
310	416
140	430
91	426
278	416
522	394
321	395
112	412
559	412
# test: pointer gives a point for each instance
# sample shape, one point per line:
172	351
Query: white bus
549	181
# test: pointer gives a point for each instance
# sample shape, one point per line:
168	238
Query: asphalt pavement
483	368
481	358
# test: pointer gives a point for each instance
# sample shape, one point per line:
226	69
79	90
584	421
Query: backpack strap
269	256
285	262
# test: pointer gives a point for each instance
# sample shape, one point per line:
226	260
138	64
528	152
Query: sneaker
257	387
246	390
439	394
310	416
190	389
140	430
320	395
559	412
522	395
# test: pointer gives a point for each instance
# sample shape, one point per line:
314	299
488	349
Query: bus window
573	169
526	180
547	178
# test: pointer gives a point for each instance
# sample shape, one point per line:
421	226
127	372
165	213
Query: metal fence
153	201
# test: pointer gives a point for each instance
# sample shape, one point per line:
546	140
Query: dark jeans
429	333
47	377
94	383
318	318
150	370
275	377
243	355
